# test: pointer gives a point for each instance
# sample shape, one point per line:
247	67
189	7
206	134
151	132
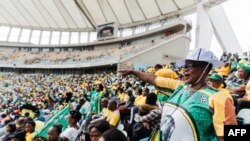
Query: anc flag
60	117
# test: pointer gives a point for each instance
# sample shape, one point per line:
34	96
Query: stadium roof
85	15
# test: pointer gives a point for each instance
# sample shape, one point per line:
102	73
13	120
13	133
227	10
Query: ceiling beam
35	3
64	13
126	5
158	6
114	12
21	13
5	19
19	19
8	13
85	12
145	17
98	3
63	17
12	22
111	11
185	11
176	4
85	20
29	13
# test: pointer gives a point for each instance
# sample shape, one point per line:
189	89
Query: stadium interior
107	70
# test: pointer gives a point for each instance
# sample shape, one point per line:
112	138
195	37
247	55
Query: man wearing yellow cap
216	81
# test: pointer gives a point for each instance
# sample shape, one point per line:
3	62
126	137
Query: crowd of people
190	100
87	55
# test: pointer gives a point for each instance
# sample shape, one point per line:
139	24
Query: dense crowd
64	56
128	105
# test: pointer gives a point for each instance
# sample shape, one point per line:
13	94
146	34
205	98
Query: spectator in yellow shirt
141	99
114	116
105	111
157	67
216	81
224	70
164	72
30	129
122	96
164	93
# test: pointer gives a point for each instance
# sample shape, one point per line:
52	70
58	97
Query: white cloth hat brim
201	54
215	63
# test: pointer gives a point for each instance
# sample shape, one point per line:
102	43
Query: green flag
60	117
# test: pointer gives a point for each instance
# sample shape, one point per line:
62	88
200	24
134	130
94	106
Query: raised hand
124	73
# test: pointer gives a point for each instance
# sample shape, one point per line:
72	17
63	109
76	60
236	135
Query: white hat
201	54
